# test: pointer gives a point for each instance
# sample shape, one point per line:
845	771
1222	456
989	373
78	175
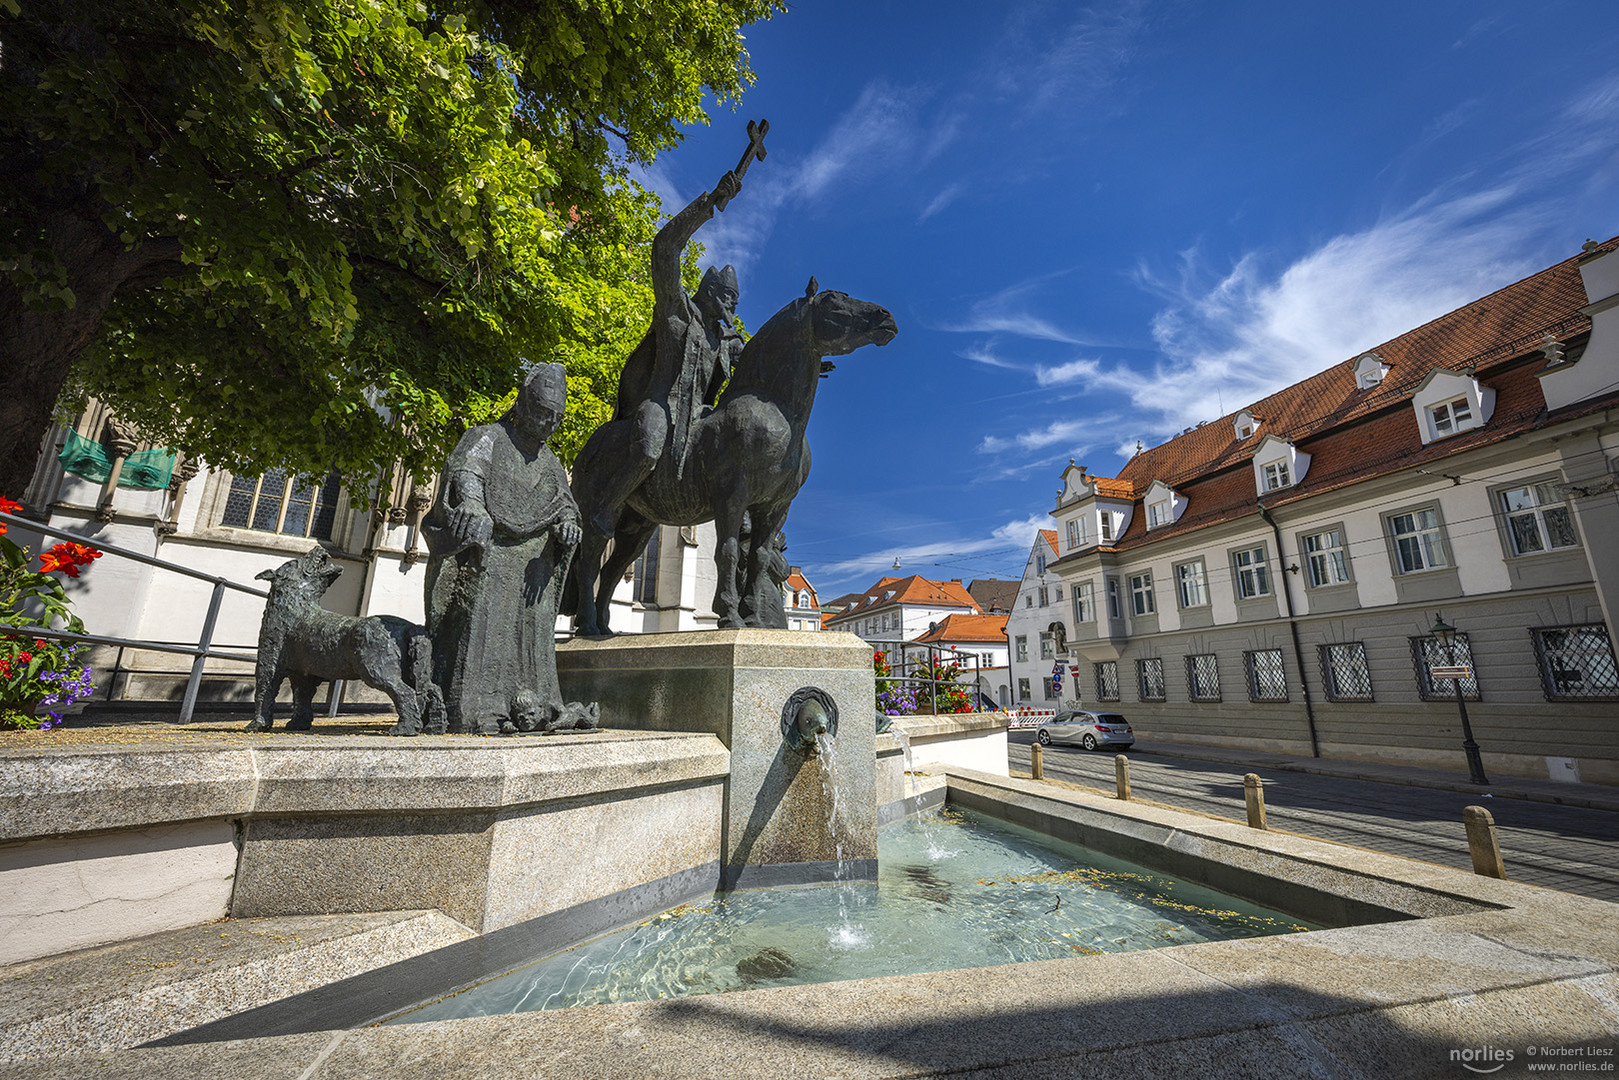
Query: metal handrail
123	552
907	648
203	649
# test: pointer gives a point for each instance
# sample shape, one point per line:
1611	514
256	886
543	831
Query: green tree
320	233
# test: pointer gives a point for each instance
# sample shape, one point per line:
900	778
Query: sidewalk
1589	796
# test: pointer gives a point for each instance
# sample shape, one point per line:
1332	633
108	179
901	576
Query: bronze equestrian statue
674	453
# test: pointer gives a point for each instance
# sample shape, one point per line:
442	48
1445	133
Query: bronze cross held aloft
756	149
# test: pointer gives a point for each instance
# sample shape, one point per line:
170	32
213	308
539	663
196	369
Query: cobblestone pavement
1559	847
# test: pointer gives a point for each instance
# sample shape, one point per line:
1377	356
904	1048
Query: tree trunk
38	347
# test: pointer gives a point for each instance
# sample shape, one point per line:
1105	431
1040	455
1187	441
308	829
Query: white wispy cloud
1082	369
986	355
1008	542
944	198
1067	433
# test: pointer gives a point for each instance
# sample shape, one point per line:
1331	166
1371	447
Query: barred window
1429	652
279	503
1023	690
1576	662
1107	680
1267	678
1537	520
1150	679
1050	688
1345	672
1203	677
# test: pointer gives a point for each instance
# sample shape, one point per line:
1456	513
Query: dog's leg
266	683
303	702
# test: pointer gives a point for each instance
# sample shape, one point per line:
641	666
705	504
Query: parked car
1088	729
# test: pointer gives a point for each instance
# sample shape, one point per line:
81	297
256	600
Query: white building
1272	579
900	609
1037	622
978	644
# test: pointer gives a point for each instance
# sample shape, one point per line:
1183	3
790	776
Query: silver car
1088	729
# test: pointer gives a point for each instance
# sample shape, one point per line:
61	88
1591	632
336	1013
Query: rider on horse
684	359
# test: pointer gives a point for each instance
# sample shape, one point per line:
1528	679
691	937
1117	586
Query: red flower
25	656
8	507
67	557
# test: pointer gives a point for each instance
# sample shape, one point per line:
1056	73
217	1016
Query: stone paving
1573	848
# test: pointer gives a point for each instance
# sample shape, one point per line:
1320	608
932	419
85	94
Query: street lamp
1446	634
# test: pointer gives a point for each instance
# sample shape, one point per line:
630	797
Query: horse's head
841	324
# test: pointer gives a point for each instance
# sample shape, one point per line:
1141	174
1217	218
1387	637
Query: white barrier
1027	718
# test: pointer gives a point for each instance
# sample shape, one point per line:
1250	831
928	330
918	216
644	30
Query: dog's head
305	578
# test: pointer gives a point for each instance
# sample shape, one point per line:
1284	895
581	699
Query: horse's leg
767	522
628	542
590	620
617	460
728	554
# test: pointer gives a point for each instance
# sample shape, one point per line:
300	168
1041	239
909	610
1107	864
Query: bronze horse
748	455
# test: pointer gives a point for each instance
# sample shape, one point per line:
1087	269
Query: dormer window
1245	424
1369	371
1450	402
1164	505
1450	417
1107	527
1278	464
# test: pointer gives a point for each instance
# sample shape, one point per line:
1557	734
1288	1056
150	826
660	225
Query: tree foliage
319	233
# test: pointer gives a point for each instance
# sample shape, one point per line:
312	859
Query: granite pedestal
789	816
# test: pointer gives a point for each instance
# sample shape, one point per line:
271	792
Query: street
1559	847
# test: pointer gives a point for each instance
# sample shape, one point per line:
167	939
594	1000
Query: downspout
1293	627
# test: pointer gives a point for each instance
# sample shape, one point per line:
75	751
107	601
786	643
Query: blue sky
1101	225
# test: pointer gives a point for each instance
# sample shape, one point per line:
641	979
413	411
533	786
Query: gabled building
900	608
1035	625
979	644
803	609
1272	579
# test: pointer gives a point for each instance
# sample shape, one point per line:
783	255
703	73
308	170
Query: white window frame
1107	527
1084	602
1115	603
1022	643
1250	572
1277	475
1326	564
1532	519
1141	602
1420	546
1451	417
1192	584
1048	649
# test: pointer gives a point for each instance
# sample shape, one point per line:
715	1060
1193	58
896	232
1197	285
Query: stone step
122	995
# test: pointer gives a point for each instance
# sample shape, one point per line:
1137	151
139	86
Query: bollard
1037	762
1253	789
1121	776
1482	842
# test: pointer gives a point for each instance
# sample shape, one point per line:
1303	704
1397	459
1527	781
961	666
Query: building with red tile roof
1271	578
802	606
900	608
